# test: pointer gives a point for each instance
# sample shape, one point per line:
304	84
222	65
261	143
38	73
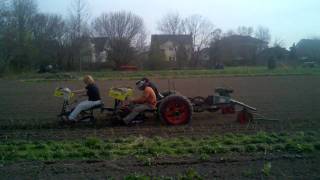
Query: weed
317	146
151	148
248	173
93	143
190	174
251	148
266	170
238	149
137	177
204	157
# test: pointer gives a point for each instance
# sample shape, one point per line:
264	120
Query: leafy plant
190	174
266	170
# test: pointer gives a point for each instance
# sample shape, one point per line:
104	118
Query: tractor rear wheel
175	110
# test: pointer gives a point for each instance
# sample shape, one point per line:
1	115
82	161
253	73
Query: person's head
141	85
88	80
145	79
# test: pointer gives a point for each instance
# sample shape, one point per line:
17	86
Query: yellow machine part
59	93
120	93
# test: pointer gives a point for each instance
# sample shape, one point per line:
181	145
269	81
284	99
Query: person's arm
141	100
80	91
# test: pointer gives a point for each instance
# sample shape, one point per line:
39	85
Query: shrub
93	143
251	148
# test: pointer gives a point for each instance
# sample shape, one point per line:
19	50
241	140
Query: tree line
30	39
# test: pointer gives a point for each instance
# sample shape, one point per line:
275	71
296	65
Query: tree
48	32
124	28
263	34
22	13
293	53
4	18
278	42
171	23
245	31
202	31
78	28
120	51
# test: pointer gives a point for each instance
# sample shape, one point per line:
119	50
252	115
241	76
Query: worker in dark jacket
92	91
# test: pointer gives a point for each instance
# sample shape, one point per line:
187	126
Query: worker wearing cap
147	101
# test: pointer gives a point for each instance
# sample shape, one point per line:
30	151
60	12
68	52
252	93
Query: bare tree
216	35
122	25
278	42
201	30
48	27
21	15
23	12
48	32
263	34
245	31
124	30
3	13
78	28
4	53
78	18
171	23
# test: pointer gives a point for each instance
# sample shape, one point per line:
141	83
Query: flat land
28	113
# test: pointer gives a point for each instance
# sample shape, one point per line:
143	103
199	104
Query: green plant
248	173
190	174
266	170
93	143
251	148
136	177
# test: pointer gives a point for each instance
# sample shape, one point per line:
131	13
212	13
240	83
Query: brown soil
295	101
235	166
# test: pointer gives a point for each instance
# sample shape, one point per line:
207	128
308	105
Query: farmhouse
169	45
238	50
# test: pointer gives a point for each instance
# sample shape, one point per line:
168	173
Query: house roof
315	43
178	39
239	38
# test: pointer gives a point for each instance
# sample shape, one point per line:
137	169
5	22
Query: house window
170	48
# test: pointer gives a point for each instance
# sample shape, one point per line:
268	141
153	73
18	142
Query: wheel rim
177	113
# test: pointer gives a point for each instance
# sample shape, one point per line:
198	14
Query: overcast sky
289	20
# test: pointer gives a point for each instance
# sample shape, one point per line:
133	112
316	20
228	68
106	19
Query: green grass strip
148	148
108	74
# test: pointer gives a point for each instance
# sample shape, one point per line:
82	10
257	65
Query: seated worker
147	101
154	87
92	91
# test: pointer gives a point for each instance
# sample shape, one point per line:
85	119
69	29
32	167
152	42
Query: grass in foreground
145	149
229	71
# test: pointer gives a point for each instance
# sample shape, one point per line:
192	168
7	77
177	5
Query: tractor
172	107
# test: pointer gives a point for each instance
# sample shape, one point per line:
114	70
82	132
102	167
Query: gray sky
289	20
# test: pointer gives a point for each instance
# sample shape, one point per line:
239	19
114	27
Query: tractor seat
99	106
